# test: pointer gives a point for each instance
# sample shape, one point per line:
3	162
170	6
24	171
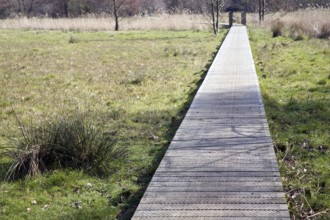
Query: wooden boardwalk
221	163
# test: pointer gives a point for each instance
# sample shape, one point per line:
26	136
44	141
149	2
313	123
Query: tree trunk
259	8
263	10
66	8
217	19
19	6
215	12
30	8
213	18
115	14
116	23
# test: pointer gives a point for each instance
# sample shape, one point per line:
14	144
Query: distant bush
277	28
297	31
66	143
4	13
73	40
325	31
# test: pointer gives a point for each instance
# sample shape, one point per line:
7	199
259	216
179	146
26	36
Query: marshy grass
135	88
294	79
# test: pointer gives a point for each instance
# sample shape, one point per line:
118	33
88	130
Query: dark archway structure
236	6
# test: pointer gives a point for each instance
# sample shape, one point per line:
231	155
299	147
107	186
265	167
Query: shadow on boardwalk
145	179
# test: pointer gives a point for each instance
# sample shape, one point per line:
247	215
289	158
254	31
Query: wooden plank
214	153
216	169
212	200
216	189
211	206
218	174
283	214
209	218
187	179
219	195
203	184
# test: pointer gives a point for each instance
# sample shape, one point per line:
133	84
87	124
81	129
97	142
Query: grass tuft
277	28
66	143
325	31
73	40
297	30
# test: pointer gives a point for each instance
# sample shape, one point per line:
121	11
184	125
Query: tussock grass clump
325	31
73	40
277	29
66	143
297	31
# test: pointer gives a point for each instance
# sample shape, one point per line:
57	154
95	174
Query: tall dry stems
309	22
184	21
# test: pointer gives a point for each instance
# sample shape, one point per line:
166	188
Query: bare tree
216	6
5	7
261	7
172	5
29	7
212	11
24	7
116	10
65	4
147	6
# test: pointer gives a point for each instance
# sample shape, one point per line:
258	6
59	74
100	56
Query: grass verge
136	85
295	83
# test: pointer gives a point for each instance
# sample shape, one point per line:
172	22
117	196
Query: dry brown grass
92	23
299	24
302	23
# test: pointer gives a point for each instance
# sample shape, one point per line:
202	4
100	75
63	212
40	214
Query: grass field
295	83
134	85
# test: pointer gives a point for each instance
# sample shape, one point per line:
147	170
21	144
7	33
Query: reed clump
310	23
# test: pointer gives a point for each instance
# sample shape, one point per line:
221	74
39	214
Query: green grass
295	83
136	86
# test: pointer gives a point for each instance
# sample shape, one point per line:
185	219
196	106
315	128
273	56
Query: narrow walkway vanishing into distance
221	163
